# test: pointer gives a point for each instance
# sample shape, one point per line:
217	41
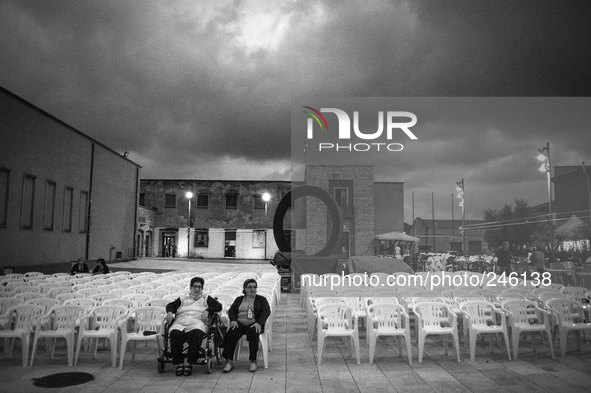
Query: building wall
363	218
216	217
571	193
389	207
35	143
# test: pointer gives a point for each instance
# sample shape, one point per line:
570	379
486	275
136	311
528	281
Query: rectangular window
4	192
258	238
201	238
342	196
202	200
259	203
231	201
68	206
170	200
28	201
142	199
49	206
83	218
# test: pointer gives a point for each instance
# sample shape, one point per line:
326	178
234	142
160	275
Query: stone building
369	208
63	195
227	219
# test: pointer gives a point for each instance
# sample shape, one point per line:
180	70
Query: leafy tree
514	224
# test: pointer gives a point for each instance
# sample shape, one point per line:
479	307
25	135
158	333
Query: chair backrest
431	313
138	299
479	311
147	318
566	309
22	316
63	317
156	293
521	310
127	303
337	316
320	301
351	291
123	291
101	297
24	296
58	291
379	300
85	302
33	274
157	302
26	288
387	315
106	316
62	297
576	293
141	288
381	279
551	295
486	294
45	302
8	302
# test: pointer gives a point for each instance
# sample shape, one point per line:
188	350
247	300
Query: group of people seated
188	317
81	267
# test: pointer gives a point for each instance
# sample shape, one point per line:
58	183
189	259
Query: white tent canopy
397	236
570	228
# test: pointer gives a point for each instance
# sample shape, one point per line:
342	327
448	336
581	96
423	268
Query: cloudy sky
204	89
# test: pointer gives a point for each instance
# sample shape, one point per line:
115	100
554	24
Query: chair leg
421	337
516	343
506	337
563	336
80	338
122	354
355	339
457	342
25	341
113	341
265	347
371	341
70	349
321	338
409	347
473	336
35	341
549	333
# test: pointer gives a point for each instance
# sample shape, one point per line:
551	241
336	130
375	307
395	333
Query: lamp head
189	195
266	197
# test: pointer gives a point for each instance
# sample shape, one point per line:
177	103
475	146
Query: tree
514	224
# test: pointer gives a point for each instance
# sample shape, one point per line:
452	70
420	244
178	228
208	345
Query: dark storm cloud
203	89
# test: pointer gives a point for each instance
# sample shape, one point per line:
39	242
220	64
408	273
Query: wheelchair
210	346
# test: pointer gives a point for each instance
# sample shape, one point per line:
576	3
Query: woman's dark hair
102	261
249	281
197	279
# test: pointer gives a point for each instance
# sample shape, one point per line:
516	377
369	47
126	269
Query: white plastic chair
526	316
338	320
25	296
436	318
264	347
20	322
60	321
479	316
568	315
387	319
102	322
146	323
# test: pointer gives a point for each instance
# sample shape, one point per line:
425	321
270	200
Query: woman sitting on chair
190	324
248	315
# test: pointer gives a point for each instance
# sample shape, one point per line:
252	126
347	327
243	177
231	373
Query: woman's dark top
261	310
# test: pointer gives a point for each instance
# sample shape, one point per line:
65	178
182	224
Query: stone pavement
293	367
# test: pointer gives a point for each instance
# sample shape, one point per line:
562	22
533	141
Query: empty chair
101	297
313	315
525	316
45	302
26	288
146	324
65	296
60	322
141	288
122	291
338	320
156	303
138	299
102	322
568	316
479	317
387	319
85	302
20	322
436	318
24	296
33	274
58	291
127	303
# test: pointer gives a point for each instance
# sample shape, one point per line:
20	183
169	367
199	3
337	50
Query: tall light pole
460	188
266	199
189	196
544	156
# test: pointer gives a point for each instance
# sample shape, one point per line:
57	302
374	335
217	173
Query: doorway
169	245
230	243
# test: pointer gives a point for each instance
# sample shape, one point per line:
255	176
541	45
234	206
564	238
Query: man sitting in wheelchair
189	316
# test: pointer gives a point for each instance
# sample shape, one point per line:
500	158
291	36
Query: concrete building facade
227	219
63	195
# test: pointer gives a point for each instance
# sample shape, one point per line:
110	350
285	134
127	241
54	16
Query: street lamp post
461	189
266	199
544	156
189	196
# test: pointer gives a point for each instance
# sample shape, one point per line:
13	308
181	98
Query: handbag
219	332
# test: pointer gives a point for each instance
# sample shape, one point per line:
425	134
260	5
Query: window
28	201
4	192
83	217
68	205
231	201
169	200
49	206
342	196
258	202
258	238
202	200
201	238
142	199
